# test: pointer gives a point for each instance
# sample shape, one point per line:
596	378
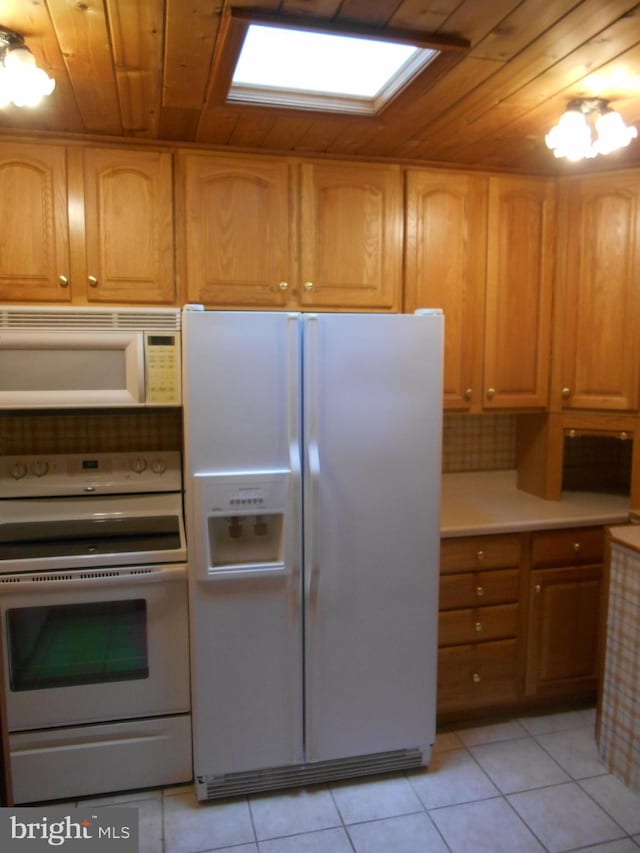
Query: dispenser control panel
244	517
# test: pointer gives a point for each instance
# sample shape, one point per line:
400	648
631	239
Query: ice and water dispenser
244	523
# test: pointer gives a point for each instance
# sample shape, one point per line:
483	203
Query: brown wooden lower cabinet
477	675
564	613
480	626
519	620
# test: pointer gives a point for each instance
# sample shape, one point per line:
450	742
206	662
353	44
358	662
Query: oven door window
67	644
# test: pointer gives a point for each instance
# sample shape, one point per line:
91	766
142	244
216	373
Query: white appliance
312	452
94	620
81	357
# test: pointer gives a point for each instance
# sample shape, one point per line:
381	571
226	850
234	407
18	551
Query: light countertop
628	535
478	502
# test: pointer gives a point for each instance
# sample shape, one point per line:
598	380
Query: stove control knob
40	468
139	465
18	470
159	466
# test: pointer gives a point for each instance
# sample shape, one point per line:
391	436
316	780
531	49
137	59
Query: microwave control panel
162	368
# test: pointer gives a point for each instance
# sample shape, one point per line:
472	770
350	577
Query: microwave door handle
139	372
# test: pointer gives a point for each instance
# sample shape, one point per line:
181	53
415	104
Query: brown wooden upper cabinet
481	248
128	226
445	249
85	224
351	236
34	238
237	230
276	233
597	347
520	254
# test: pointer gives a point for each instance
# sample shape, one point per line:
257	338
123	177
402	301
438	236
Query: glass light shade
21	81
571	137
5	88
612	132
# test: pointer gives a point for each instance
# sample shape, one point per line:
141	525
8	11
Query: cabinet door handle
476	678
480	555
479	591
577	546
477	627
63	281
284	285
308	285
93	281
537	588
566	393
491	393
468	394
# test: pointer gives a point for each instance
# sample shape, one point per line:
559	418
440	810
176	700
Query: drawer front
476	589
477	624
470	553
476	675
565	547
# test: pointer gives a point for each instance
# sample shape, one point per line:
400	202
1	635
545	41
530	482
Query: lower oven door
94	645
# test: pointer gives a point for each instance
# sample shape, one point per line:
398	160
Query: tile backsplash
478	442
90	432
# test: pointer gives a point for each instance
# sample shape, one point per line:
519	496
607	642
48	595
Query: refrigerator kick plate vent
297	775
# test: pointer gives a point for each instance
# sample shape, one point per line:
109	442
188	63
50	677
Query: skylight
323	71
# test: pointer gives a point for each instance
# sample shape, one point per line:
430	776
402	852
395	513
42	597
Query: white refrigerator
312	486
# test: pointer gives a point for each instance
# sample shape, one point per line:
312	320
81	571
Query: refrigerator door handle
312	398
293	555
313	574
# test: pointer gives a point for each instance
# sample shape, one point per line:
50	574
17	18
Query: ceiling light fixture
21	81
573	137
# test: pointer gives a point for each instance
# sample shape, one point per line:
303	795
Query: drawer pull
479	591
480	555
577	546
476	678
477	627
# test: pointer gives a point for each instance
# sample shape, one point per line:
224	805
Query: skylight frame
315	98
236	21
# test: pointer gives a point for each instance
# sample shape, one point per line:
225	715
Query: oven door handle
91	579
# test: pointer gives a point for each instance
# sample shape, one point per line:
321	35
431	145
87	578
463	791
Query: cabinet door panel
563	631
600	348
351	236
474	676
445	239
574	546
519	282
473	589
237	231
477	624
34	239
129	226
472	553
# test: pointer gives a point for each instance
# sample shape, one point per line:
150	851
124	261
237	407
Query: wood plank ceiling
142	69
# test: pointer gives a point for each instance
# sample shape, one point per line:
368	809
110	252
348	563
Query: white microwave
55	357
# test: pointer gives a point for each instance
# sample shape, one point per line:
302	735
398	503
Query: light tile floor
529	784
